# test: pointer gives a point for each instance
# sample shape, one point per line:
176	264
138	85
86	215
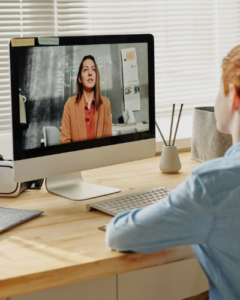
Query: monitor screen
76	94
45	87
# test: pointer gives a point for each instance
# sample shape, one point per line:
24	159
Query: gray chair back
51	135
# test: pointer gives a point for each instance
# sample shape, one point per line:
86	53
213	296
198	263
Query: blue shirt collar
233	150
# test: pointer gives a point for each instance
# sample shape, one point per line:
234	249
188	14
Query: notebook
10	217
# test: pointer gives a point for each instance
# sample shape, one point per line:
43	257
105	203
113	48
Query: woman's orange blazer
73	121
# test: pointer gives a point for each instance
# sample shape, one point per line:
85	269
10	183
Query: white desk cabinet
173	281
97	289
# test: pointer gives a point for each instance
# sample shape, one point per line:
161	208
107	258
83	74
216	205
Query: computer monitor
51	109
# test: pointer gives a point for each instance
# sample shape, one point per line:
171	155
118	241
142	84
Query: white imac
69	112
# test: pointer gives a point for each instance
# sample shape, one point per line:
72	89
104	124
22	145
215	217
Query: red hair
231	70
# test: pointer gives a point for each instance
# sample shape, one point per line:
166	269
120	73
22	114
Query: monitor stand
73	187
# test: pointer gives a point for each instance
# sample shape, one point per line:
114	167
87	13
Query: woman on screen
86	115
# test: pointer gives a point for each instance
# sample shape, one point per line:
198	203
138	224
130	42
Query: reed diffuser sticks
179	116
170	135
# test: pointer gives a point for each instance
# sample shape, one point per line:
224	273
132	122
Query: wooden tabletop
64	245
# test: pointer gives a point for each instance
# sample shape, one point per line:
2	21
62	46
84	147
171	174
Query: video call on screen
48	76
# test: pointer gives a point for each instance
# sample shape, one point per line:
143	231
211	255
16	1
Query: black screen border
20	154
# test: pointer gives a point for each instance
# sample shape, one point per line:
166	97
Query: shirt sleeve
184	217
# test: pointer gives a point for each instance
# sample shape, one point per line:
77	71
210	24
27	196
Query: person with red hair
204	210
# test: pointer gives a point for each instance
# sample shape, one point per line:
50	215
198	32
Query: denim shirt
203	211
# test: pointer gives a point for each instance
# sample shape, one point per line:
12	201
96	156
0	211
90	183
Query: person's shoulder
211	166
71	101
105	100
220	174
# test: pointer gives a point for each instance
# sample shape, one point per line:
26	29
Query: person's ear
79	79
234	102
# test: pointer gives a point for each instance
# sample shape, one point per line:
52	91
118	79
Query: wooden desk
64	246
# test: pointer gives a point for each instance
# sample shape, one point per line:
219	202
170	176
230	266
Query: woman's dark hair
97	91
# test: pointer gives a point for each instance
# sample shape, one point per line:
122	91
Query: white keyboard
118	205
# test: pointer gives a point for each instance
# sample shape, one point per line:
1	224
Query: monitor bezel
20	154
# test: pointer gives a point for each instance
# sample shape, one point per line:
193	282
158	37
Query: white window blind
191	38
20	18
